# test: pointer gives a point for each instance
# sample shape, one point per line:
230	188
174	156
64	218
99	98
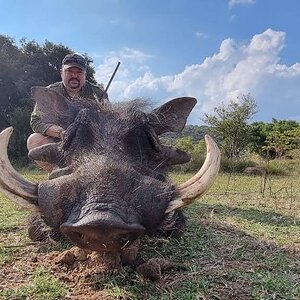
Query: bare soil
79	271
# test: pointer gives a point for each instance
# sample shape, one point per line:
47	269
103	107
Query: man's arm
100	95
44	128
36	122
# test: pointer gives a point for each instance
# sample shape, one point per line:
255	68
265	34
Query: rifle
110	80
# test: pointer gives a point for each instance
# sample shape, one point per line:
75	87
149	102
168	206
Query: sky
213	50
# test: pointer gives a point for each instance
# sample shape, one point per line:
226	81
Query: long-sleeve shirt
88	91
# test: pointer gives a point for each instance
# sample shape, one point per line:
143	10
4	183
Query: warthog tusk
200	182
13	184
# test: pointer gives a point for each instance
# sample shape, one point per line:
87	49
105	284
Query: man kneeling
74	87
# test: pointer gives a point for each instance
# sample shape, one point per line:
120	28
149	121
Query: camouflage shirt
88	91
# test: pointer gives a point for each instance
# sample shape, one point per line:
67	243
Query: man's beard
72	85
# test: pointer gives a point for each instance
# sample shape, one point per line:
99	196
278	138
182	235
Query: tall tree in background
273	140
9	95
22	67
230	125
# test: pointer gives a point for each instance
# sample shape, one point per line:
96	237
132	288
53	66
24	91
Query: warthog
110	185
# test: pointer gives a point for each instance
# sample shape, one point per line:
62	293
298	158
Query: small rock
80	254
66	257
153	268
151	271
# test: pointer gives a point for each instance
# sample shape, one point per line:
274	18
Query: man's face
73	78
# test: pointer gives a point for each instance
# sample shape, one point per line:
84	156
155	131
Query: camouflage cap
74	60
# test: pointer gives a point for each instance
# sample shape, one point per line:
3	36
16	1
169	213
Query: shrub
235	166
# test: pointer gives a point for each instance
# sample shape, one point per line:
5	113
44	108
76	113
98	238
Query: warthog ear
80	134
53	107
172	115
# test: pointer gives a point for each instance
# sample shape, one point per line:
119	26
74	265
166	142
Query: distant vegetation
27	63
243	144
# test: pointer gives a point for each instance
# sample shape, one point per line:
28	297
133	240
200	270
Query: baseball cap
74	60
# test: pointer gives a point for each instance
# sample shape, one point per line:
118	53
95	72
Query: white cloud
132	65
233	3
253	68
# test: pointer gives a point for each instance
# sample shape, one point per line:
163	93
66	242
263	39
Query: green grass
12	219
240	243
273	216
42	286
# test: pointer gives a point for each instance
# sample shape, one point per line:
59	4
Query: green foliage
194	132
9	55
196	150
185	144
283	167
274	139
235	165
229	125
19	119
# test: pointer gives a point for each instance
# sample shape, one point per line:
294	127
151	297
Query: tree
185	144
229	125
194	132
274	139
196	150
9	57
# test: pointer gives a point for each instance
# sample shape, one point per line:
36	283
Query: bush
284	167
19	120
192	166
235	166
292	154
197	152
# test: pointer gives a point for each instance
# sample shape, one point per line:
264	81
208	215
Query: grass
241	242
42	286
12	219
273	216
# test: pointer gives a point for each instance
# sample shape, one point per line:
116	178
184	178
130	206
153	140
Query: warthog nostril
96	234
77	235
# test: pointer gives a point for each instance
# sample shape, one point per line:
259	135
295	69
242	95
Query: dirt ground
77	278
88	275
79	271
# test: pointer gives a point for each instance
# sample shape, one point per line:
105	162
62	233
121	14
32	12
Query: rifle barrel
112	77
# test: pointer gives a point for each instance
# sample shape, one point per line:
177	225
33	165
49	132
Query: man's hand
55	131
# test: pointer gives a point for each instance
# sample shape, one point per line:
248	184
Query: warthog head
110	186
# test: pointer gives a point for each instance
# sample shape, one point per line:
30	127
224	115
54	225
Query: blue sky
214	50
